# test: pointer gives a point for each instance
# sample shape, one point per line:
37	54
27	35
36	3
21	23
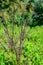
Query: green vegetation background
33	45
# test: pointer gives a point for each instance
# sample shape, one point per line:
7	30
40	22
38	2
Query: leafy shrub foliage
21	36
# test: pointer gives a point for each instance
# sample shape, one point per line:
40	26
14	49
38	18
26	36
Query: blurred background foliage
31	9
20	11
